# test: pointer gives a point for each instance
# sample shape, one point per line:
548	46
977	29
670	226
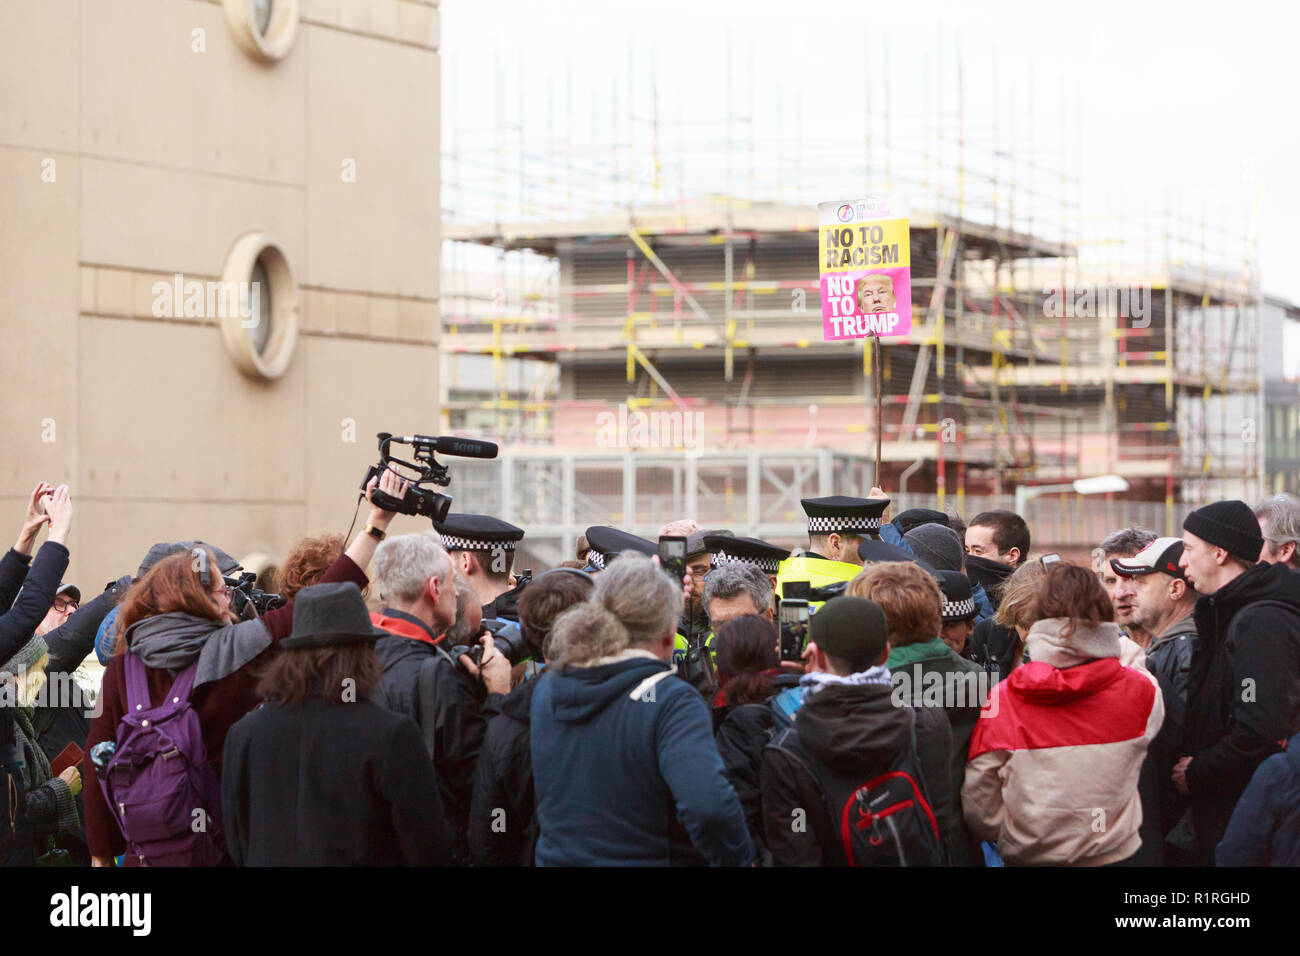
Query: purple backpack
162	792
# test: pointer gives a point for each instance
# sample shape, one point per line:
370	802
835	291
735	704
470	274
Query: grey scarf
172	641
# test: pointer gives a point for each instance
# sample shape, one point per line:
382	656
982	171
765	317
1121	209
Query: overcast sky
1185	107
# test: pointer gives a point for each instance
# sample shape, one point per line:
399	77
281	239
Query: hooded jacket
503	811
622	749
1052	774
1265	827
856	731
1243	690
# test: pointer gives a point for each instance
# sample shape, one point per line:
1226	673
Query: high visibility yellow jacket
818	572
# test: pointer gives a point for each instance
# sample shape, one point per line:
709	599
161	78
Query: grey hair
583	634
644	599
733	578
1282	512
404	564
459	633
1126	541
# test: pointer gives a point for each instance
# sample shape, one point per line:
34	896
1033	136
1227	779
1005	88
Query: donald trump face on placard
876	294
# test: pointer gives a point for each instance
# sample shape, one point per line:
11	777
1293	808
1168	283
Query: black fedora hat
326	615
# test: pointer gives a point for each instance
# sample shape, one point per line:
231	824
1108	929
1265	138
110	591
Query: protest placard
866	275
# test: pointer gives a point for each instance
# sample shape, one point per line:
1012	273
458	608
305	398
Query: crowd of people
905	691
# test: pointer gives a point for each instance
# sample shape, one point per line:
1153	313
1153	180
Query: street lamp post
1098	485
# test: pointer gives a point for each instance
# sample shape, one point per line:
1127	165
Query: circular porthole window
264	28
261	333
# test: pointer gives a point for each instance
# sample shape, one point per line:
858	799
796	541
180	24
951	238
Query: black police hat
607	542
843	514
871	551
728	550
695	544
326	615
465	532
958	596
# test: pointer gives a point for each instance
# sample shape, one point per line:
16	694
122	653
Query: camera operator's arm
362	548
348	566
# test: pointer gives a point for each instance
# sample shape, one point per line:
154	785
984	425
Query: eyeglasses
65	607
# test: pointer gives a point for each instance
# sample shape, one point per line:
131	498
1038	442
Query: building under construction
675	366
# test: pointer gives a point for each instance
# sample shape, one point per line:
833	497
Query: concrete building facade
156	147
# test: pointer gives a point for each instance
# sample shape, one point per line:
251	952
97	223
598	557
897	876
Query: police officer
837	525
606	543
762	555
482	550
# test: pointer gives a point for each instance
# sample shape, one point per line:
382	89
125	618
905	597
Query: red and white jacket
1052	771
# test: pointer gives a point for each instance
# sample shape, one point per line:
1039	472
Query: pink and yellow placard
866	274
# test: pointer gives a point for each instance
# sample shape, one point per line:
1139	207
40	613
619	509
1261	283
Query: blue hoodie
615	748
1265	825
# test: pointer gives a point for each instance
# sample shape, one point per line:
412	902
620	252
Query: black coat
505	606
503	812
17	624
451	709
993	646
743	734
319	783
853	730
1169	661
1243	695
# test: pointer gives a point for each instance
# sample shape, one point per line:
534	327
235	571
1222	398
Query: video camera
419	500
244	593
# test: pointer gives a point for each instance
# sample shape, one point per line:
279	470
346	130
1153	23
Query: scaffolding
620	289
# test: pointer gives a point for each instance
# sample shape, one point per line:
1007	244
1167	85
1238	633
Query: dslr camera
507	636
424	470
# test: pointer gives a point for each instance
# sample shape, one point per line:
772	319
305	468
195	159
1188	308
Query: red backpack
884	821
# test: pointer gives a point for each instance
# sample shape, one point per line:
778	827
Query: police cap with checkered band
844	515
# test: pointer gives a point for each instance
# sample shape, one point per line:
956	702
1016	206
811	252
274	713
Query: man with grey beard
1162	605
1121	590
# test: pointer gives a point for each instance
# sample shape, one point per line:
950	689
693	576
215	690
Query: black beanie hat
915	517
1230	525
850	628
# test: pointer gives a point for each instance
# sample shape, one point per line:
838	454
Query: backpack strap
183	684
788	742
137	683
426	690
